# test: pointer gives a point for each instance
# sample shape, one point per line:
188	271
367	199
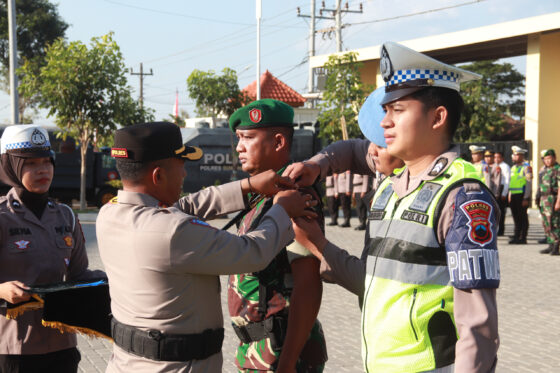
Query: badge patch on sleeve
480	229
472	251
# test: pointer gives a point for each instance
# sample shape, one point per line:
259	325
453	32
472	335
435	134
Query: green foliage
38	25
344	95
215	94
180	120
117	184
500	92
85	89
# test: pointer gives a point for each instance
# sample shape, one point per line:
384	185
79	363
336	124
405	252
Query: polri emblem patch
480	228
22	244
255	115
68	241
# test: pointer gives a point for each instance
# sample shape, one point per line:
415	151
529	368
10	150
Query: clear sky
174	37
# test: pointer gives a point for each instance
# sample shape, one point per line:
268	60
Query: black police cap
146	142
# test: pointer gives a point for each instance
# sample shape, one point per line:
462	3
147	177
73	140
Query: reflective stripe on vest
518	180
408	298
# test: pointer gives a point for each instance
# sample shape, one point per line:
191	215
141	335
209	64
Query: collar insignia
438	167
16	204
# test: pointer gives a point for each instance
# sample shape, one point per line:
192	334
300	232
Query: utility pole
12	40
259	14
141	74
336	16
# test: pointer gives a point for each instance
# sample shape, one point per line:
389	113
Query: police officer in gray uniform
163	260
41	242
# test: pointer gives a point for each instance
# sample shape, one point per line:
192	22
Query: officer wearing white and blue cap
430	292
41	242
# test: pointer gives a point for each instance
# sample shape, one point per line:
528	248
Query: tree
343	96
85	89
500	92
180	120
215	94
38	25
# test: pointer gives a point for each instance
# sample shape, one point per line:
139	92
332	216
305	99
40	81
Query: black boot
555	250
333	222
548	250
542	240
345	224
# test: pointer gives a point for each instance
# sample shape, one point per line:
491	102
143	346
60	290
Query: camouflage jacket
244	306
549	181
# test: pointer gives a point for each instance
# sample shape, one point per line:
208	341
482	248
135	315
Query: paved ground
528	309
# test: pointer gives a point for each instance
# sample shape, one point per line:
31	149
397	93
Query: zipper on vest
410	314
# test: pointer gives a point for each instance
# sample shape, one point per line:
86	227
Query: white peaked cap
406	71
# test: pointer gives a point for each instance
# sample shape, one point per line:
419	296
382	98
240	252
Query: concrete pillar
542	122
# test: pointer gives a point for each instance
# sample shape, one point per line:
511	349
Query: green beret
546	152
261	114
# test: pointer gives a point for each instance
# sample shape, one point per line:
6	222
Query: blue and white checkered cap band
402	76
26	145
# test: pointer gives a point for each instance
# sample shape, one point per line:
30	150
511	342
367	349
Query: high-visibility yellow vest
518	180
408	294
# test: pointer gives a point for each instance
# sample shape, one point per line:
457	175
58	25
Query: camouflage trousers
550	219
260	354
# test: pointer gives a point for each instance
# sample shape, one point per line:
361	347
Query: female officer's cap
25	141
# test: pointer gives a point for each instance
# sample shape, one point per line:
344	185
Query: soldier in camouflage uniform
549	201
274	311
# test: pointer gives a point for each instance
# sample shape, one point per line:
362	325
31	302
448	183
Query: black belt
274	328
156	345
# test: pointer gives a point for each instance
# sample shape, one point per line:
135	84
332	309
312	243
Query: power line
176	14
415	14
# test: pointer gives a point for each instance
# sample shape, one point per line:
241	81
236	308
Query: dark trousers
346	205
361	207
65	361
502	203
332	205
520	217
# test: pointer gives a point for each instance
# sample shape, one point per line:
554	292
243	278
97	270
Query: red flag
176	106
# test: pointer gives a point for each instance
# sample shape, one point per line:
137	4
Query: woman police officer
41	242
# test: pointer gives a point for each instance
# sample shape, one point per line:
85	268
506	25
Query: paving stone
528	307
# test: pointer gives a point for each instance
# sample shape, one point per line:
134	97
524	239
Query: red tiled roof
272	87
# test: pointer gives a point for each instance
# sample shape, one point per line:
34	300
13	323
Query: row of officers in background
512	187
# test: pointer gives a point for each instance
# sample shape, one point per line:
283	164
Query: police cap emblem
385	65
37	138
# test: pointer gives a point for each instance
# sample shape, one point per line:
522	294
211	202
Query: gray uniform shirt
164	264
37	252
475	310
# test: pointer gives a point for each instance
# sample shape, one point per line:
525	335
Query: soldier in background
502	199
274	311
332	199
361	186
343	192
520	194
549	201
